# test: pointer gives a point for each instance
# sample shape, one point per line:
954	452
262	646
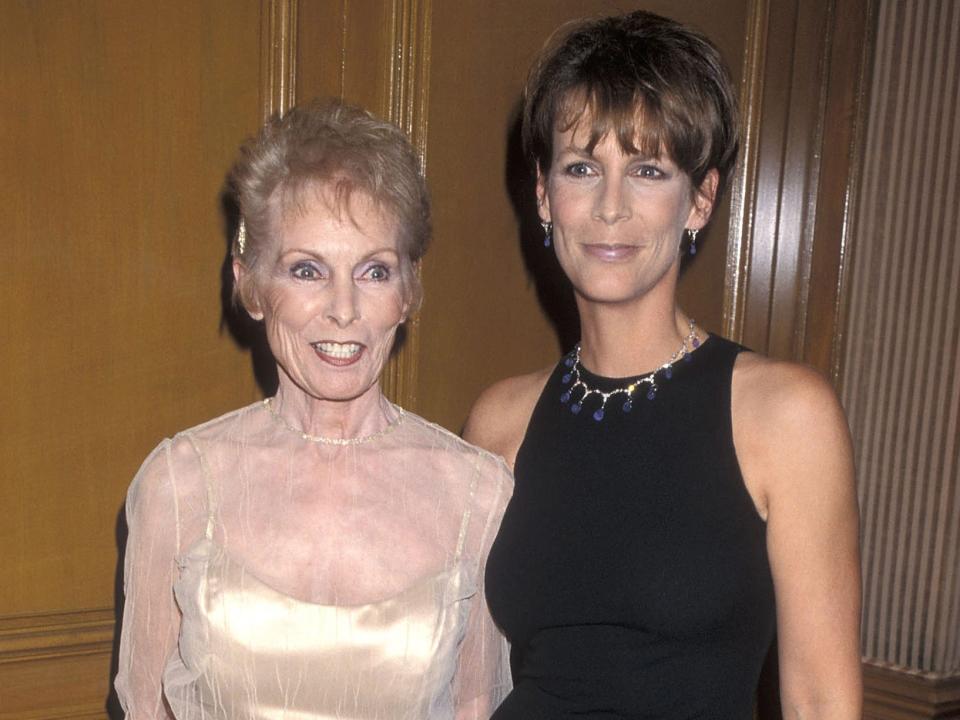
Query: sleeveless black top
630	573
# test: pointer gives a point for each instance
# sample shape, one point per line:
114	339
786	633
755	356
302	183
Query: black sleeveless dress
630	573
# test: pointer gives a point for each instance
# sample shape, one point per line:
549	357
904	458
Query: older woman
677	497
319	554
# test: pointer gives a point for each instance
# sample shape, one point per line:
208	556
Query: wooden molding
844	113
90	711
49	635
278	56
895	694
743	185
408	101
56	666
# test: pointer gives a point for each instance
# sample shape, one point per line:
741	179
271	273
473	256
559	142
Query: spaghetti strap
208	486
464	524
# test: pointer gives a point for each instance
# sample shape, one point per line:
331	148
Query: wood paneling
55	665
896	694
801	99
121	119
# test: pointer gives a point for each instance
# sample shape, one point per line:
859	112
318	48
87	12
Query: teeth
338	350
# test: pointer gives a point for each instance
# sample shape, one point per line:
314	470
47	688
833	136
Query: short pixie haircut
658	85
328	145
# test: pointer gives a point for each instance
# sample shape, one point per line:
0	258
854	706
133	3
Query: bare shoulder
790	432
787	394
499	417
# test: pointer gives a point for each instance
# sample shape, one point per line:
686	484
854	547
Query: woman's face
331	295
618	218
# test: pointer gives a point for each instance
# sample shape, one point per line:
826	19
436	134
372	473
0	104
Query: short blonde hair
330	144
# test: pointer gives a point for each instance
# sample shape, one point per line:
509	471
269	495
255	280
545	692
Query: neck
366	414
634	337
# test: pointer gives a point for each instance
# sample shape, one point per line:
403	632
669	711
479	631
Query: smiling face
618	217
331	294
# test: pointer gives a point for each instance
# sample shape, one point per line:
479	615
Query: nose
611	203
343	308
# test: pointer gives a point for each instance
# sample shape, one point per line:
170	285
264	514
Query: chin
612	293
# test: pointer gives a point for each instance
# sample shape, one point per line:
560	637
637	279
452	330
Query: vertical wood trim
833	237
408	102
743	187
278	56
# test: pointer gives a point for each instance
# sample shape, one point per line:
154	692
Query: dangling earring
547	232
693	241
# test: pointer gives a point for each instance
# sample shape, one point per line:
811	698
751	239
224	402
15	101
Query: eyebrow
311	253
582	152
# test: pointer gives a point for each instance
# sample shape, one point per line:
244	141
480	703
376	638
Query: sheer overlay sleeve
483	668
150	616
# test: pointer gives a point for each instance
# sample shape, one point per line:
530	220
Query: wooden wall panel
801	95
121	118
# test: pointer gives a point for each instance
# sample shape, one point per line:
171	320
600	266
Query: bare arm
499	417
794	447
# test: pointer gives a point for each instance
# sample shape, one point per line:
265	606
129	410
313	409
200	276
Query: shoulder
783	395
174	467
790	431
499	417
462	464
458	453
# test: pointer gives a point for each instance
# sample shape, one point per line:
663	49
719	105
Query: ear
412	292
244	285
703	200
543	200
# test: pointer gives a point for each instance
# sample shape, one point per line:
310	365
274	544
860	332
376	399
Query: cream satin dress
311	581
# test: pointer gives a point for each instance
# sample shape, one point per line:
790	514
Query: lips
337	353
610	252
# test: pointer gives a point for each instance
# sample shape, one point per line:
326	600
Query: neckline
216	550
321	440
598	379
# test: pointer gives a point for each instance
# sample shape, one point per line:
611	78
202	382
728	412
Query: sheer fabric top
269	576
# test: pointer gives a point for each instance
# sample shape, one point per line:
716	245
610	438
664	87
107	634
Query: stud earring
547	232
693	241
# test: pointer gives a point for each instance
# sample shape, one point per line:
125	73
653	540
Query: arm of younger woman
795	452
151	619
498	419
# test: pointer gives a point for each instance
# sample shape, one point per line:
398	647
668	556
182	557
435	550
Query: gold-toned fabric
301	582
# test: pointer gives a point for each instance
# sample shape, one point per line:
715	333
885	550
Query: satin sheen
301	656
267	576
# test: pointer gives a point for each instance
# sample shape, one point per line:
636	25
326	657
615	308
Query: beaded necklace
335	441
572	363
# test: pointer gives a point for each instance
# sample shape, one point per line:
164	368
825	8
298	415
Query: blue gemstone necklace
578	390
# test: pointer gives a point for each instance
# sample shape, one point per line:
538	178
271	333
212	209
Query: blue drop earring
693	241
547	232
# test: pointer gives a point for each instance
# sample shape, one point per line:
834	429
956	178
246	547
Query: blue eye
377	273
651	172
305	271
579	169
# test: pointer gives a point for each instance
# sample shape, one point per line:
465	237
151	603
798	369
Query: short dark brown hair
329	144
658	85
